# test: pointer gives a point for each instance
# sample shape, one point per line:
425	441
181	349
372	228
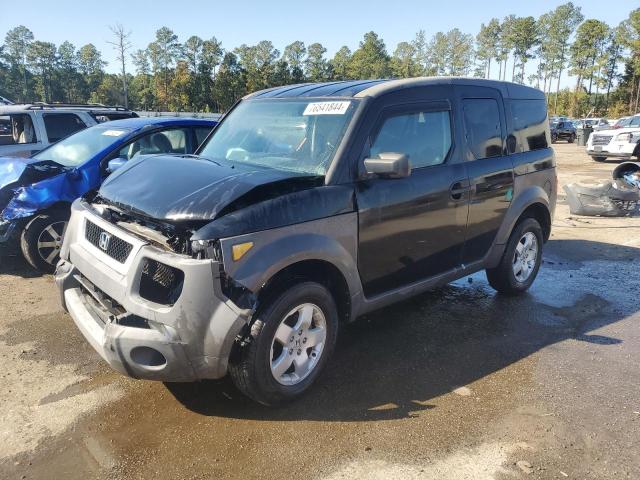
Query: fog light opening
148	357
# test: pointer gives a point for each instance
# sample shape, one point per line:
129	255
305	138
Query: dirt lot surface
459	383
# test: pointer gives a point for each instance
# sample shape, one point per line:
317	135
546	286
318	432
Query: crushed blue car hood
11	168
28	185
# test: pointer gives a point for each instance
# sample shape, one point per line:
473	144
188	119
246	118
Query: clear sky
331	22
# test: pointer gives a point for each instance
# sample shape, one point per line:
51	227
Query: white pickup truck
620	143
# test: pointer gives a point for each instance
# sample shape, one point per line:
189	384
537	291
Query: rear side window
168	141
61	125
482	127
424	136
530	124
16	129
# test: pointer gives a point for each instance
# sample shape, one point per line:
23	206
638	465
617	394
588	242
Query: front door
412	228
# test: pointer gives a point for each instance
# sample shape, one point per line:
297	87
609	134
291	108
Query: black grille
602	139
160	283
116	248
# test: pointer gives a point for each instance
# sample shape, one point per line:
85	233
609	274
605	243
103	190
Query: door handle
459	188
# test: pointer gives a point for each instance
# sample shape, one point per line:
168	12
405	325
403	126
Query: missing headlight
160	283
202	249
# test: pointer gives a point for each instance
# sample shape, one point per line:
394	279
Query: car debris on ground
617	198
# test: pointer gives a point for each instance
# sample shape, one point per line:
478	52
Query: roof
140	122
26	107
374	88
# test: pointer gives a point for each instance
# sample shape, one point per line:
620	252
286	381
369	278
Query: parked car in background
35	193
32	127
563	130
307	206
596	123
617	143
622	122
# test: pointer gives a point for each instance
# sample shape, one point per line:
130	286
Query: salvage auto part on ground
617	198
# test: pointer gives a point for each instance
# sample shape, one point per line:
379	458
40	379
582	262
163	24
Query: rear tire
283	357
599	159
41	240
520	261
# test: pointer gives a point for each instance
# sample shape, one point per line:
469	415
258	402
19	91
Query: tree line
201	75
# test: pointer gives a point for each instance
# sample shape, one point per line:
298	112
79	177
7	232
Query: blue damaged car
36	192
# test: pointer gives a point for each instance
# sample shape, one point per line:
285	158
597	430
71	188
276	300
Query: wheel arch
59	206
541	213
533	202
320	271
323	250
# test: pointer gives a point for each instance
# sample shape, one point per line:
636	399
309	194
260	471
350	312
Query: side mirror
115	164
389	165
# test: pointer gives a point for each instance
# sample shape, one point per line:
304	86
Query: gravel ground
458	383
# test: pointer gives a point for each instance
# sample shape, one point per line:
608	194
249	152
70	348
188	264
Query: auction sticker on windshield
326	108
113	133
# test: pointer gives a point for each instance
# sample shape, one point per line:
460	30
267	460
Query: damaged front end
28	187
145	303
152	241
175	237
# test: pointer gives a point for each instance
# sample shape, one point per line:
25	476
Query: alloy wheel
50	242
298	344
525	257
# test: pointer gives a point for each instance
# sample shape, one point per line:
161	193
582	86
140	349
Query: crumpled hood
177	188
24	187
11	168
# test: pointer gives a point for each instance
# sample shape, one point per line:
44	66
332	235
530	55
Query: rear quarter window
530	124
482	127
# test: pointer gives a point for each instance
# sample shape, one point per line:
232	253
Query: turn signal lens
238	251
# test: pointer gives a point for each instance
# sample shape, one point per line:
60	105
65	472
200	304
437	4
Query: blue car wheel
41	240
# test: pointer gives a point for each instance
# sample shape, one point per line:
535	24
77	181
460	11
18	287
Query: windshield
80	147
299	136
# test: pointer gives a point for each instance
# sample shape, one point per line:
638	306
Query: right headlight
621	137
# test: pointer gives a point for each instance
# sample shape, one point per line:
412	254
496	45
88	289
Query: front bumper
10	236
188	340
622	150
603	153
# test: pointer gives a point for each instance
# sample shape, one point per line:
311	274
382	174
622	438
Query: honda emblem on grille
103	240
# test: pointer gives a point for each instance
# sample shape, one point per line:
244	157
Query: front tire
521	260
599	159
41	240
572	138
289	345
